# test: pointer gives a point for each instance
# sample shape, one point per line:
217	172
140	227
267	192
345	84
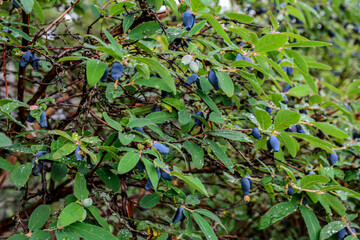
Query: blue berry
286	100
274	143
78	156
140	166
156	108
333	158
149	184
25	59
43	123
290	191
30	118
179	215
193	78
299	129
213	79
105	75
198	122
256	133
188	20
139	129
34	61
287	88
245	185
342	234
166	175
268	110
161	147
116	71
311	172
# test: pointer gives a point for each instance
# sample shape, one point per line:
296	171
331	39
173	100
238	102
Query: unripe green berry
194	66
87	202
186	59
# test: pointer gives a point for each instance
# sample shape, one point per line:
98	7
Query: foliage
157	120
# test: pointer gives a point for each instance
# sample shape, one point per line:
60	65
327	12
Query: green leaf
39	217
94	71
331	229
80	189
285	118
290	143
341	188
65	150
151	171
139	122
311	222
27	5
128	21
279	70
335	204
66	235
197	5
300	91
314	140
208	101
70	214
226	84
146	29
114	124
6	165
95	212
221	155
270	42
18	237
276	213
211	215
143	69
204	226
128	162
150	200
21	174
161	70
308	44
191	181
263	118
310	180
58	171
231	134
61	133
196	28
196	152
91	232
240	17
274	22
331	130
40	235
218	28
109	178
39	12
4	140
298	60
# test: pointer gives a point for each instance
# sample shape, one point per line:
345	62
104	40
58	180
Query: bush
138	120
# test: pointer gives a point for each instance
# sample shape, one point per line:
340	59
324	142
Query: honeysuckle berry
290	191
34	61
188	20
274	143
213	79
186	59
30	118
287	88
161	147
245	186
342	234
16	3
43	122
286	100
194	66
87	202
149	184
299	129
311	172
303	111
193	78
333	158
117	70
38	164
78	156
197	121
25	59
179	215
140	166
156	108
166	175
105	75
139	129
256	133
268	110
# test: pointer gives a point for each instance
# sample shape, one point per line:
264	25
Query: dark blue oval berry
139	129
286	100
256	133
333	158
105	75
268	110
303	111
290	191
43	123
287	88
166	175
116	71
78	156
25	59
161	147
299	129
198	122
34	61
191	79
213	79
274	143
156	108
30	118
342	234
311	172
188	20
245	185
179	215
140	166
